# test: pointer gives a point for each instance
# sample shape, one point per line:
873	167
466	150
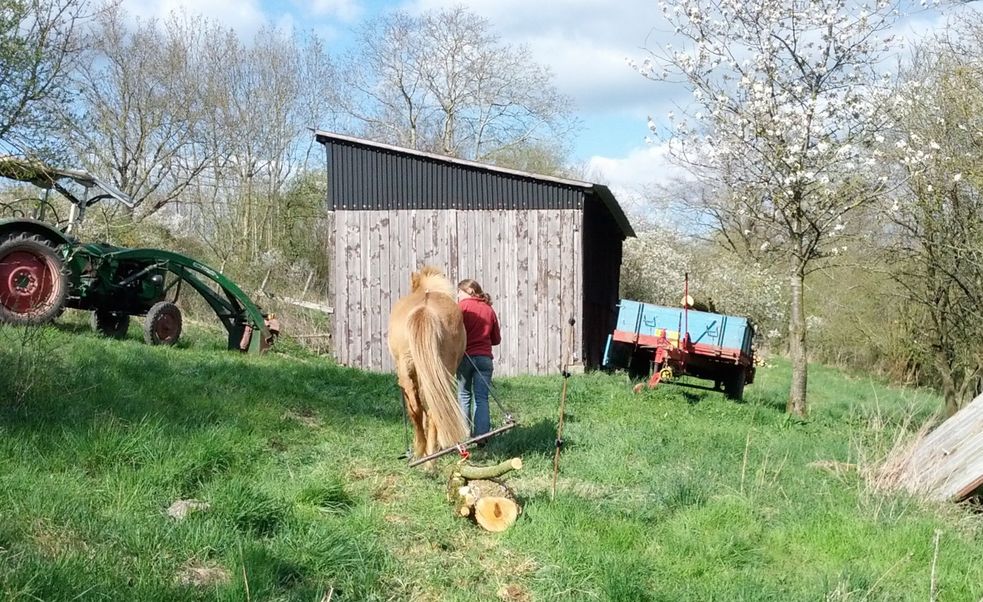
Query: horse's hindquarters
427	341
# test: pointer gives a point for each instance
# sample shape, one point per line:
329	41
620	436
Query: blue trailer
661	343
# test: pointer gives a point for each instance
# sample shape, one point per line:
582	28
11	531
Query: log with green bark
478	493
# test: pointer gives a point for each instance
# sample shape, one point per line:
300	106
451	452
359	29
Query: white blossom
790	108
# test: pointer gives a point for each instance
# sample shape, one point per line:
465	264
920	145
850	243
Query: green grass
674	494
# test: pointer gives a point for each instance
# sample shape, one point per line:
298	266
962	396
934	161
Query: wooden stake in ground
563	402
477	494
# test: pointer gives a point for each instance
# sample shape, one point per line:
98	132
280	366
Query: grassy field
674	494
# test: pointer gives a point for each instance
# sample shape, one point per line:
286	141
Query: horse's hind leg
408	384
432	445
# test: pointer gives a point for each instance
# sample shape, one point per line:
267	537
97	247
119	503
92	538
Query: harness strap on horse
406	428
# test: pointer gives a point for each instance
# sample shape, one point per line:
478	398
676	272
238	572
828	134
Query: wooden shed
547	250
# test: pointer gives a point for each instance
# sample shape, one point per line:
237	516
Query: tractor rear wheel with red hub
111	324
32	285
162	326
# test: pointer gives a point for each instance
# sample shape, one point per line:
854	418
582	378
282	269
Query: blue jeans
472	391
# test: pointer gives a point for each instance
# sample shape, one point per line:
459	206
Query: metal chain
491	392
406	426
508	419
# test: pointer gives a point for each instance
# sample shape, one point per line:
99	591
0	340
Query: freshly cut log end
477	493
495	514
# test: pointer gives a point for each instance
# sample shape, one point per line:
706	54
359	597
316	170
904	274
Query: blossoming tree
936	220
787	114
656	261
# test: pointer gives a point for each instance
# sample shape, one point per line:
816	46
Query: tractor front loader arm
235	309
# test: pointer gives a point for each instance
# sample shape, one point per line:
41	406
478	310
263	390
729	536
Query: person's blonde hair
472	288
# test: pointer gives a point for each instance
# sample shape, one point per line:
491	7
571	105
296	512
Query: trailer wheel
734	384
162	326
640	365
112	324
32	285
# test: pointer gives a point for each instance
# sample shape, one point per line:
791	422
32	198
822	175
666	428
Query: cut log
476	494
488	472
495	514
491	504
461	473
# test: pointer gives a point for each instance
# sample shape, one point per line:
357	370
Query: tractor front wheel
111	324
162	326
32	286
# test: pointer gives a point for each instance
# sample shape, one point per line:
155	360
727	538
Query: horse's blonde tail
437	385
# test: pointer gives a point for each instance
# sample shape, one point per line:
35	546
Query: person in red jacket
475	372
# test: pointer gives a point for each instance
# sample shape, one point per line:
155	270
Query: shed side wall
529	261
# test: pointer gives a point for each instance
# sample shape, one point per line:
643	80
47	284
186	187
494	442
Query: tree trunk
797	341
943	364
490	503
951	403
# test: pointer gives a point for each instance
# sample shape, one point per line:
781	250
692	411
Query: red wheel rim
166	326
27	281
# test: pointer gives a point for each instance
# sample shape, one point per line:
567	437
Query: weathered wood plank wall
947	465
529	261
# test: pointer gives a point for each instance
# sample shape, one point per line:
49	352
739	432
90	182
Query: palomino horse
427	341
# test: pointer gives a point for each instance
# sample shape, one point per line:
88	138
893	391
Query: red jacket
481	324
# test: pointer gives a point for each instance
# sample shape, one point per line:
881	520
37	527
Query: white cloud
584	43
347	11
594	74
644	182
241	15
248	16
642	167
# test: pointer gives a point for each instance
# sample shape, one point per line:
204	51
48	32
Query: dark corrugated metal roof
366	175
604	194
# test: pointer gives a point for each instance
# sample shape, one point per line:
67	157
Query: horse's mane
431	279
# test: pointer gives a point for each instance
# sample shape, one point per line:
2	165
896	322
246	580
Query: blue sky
584	43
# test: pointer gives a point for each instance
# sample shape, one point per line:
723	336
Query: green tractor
44	269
